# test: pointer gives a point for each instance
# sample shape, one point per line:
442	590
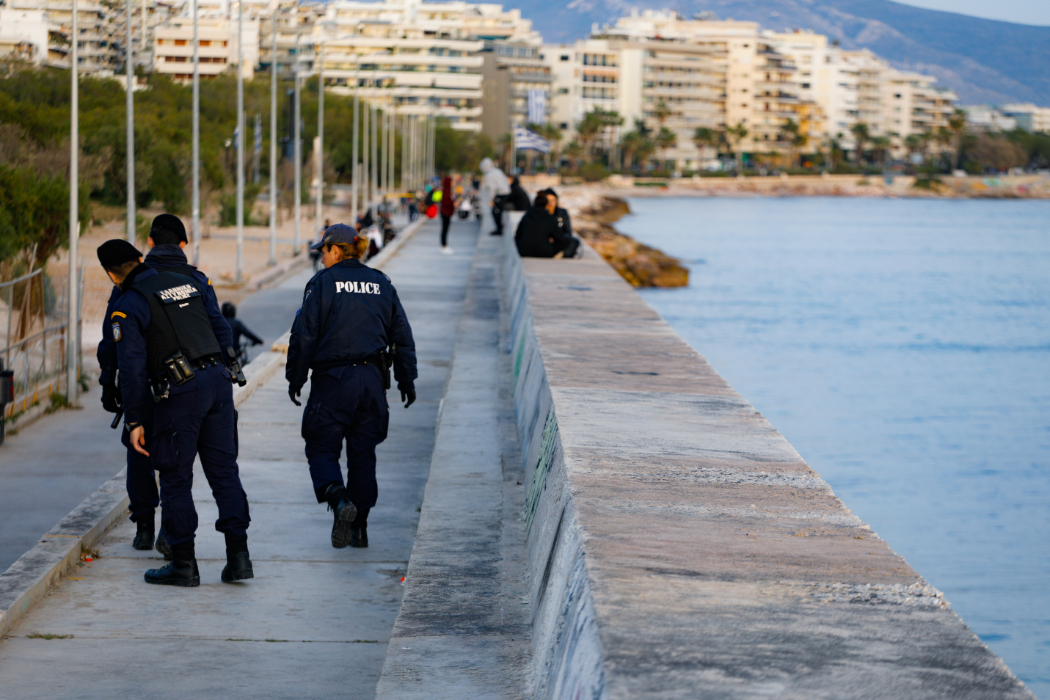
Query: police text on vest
357	287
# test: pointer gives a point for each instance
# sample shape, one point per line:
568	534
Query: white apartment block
217	50
97	52
1028	116
24	35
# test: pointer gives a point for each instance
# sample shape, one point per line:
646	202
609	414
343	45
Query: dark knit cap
170	222
117	252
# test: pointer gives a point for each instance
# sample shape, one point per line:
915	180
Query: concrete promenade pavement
315	621
49	467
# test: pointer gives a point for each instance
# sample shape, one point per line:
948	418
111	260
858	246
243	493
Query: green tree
665	139
791	134
956	125
861	135
733	136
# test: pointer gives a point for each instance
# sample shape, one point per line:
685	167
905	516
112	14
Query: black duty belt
206	361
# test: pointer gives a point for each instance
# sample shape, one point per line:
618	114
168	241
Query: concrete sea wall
678	546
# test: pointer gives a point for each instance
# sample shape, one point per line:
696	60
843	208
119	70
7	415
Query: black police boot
359	529
345	512
238	565
182	571
144	534
162	545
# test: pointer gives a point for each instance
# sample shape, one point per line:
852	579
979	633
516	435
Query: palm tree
956	125
574	151
630	144
733	136
880	145
661	112
861	135
791	133
703	137
665	139
505	145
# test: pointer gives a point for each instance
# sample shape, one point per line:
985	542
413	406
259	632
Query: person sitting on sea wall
540	235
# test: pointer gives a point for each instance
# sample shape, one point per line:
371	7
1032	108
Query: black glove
294	391
111	398
408	393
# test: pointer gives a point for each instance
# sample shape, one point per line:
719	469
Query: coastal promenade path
315	622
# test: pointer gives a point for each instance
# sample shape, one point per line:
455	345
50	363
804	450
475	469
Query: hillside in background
982	60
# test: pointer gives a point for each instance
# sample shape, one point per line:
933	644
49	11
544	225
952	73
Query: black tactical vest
178	320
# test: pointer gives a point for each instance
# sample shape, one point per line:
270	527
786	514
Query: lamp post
375	154
195	215
273	143
240	143
298	142
354	171
129	71
74	215
320	142
366	172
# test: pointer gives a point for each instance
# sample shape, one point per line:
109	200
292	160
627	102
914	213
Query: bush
593	172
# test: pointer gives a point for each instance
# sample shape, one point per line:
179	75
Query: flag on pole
537	106
525	140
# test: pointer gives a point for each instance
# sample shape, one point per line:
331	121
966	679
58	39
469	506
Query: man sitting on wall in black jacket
544	231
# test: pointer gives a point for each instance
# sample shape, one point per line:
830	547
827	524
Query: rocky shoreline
639	264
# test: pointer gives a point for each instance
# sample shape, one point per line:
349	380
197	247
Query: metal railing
34	321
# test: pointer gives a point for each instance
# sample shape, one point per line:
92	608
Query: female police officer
349	321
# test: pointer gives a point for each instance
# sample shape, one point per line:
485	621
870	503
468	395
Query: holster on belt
382	361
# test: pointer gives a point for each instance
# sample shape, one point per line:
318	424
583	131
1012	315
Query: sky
1021	11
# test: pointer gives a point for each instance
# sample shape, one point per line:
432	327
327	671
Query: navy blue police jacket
349	312
161	257
128	321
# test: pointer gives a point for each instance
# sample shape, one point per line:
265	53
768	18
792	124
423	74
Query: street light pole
354	174
72	341
195	214
375	154
273	143
404	153
320	142
240	142
129	71
366	171
298	151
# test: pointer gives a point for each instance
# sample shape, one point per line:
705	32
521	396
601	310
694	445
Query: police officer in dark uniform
169	354
349	326
166	240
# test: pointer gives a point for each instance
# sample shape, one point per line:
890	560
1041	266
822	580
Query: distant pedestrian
519	198
495	187
447	210
238	329
349	327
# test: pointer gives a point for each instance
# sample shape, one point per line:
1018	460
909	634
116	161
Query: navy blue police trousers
346	404
198	418
140	481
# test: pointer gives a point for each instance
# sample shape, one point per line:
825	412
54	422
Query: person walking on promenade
495	187
349	320
447	211
169	355
166	240
238	329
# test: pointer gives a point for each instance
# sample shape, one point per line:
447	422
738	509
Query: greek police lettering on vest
166	240
168	355
351	324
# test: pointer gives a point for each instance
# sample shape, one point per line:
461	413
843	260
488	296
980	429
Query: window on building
204	43
805	86
178	42
565	57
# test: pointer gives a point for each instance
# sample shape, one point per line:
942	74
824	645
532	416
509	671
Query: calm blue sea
903	347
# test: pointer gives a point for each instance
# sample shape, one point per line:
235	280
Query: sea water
903	347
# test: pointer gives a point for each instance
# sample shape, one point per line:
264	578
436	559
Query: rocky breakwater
642	266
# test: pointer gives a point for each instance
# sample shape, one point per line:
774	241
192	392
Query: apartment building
217	50
97	50
1028	116
914	105
510	71
24	35
683	74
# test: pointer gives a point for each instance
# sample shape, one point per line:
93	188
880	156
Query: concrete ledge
678	546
